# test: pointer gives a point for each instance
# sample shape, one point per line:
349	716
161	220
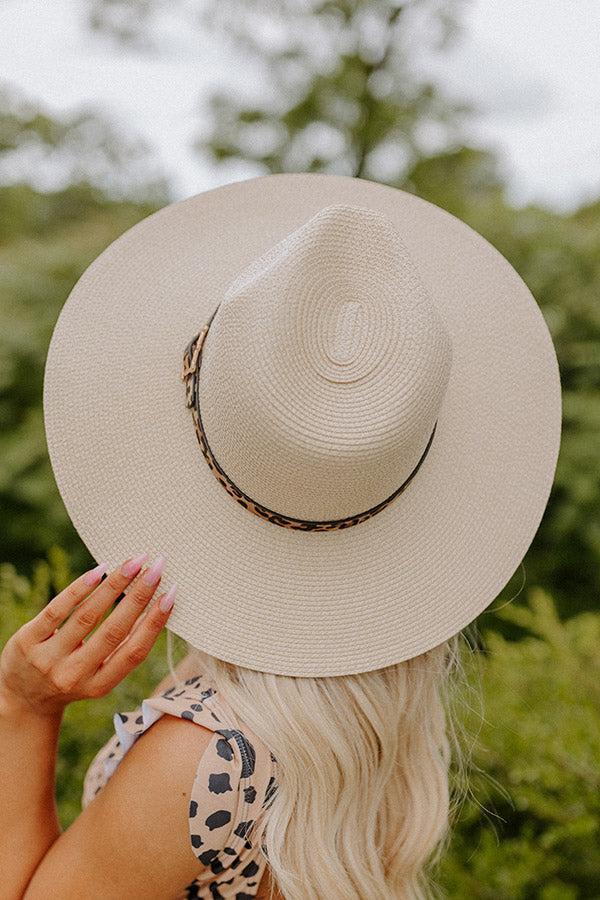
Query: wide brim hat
370	362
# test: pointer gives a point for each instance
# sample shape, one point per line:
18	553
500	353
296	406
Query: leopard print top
231	794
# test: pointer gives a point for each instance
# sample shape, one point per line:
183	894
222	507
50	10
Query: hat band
190	371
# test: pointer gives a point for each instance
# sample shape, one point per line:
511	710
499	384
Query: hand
47	663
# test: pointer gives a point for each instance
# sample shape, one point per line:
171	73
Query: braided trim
190	371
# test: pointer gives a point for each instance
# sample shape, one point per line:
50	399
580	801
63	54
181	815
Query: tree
337	87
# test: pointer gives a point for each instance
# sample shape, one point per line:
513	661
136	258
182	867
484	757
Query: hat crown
324	368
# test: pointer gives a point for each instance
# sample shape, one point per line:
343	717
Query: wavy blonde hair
363	804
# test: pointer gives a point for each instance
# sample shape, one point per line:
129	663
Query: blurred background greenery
531	824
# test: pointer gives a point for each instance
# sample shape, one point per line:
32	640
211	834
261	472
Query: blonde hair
363	802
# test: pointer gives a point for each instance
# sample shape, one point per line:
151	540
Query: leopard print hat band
192	359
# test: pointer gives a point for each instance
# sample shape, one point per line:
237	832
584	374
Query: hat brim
132	476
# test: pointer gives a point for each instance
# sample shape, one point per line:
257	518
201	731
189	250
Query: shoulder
136	830
167	758
179	792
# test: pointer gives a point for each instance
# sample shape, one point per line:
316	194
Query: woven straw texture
352	318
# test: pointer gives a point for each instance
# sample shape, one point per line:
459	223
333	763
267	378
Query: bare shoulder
133	838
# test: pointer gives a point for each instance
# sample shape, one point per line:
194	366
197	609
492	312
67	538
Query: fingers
89	613
117	626
51	617
135	649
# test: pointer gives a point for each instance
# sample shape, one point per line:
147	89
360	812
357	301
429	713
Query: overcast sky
530	66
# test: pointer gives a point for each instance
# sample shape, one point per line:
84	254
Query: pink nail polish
133	566
94	575
155	571
166	602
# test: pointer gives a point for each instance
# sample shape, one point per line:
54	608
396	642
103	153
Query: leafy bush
47	242
531	824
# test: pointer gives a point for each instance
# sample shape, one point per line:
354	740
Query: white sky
531	67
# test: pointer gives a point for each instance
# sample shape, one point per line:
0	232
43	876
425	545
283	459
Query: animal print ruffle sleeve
230	796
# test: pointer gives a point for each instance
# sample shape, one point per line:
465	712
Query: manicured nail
94	576
167	600
155	571
133	566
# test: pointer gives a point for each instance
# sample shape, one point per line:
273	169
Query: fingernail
167	600
133	566
94	576
155	571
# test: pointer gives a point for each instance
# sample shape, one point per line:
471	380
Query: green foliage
43	251
47	239
531	824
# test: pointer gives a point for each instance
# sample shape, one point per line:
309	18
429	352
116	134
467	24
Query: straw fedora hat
334	407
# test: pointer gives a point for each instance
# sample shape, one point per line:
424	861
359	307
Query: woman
134	839
376	398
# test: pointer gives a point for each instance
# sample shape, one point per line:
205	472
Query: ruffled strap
232	788
229	795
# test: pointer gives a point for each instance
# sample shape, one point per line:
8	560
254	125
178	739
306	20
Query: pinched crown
324	369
